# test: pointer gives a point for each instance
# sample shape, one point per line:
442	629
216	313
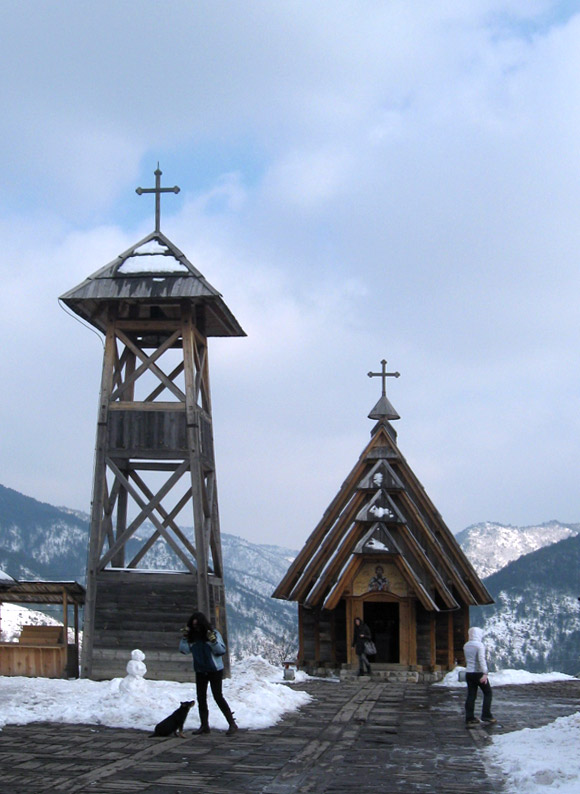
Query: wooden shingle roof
154	271
21	592
382	508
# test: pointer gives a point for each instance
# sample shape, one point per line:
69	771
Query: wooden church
154	456
383	553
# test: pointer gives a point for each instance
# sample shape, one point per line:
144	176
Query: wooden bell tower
154	470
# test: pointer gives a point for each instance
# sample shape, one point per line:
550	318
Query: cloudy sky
361	180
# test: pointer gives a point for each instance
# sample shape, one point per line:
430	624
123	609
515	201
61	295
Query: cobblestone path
360	737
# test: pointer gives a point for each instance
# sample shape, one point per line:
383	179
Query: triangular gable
383	452
434	557
381	476
377	540
154	256
381	508
355	562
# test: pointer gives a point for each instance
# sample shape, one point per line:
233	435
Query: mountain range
532	573
491	546
39	541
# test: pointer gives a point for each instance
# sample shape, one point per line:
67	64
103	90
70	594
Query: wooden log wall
425	649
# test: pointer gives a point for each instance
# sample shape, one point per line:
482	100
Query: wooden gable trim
335	566
349	542
420	499
298	568
455	551
435	546
416	547
419	588
336	592
331	543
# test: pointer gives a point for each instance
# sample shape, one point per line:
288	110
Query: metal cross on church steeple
384	375
158	190
383	409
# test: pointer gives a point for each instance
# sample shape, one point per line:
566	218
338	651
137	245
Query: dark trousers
215	681
364	666
473	683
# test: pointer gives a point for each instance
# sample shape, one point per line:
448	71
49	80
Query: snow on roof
152	257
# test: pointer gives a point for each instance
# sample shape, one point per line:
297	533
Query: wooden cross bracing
131	483
383	374
158	190
126	373
121	487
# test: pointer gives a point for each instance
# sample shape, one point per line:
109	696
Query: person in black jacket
207	648
362	634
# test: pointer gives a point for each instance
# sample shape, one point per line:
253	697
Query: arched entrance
382	618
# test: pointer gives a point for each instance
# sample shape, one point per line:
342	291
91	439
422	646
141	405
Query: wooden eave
327	549
417	585
415	497
311	572
90	298
349	572
313	546
14	592
476	592
316	591
314	572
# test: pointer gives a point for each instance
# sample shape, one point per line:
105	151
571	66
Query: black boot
204	720
233	728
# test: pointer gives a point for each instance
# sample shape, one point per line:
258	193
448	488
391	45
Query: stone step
393	676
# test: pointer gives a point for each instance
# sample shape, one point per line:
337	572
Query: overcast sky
361	180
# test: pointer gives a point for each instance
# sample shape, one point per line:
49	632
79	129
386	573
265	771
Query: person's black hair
199	632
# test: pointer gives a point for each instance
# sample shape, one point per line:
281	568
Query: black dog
174	723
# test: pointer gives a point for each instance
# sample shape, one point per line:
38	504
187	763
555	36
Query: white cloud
409	191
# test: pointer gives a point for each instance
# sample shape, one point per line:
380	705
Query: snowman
136	670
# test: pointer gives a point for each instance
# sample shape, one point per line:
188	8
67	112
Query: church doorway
382	618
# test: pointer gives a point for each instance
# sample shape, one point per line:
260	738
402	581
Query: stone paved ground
362	737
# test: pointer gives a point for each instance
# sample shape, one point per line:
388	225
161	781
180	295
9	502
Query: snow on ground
505	678
534	760
538	760
255	692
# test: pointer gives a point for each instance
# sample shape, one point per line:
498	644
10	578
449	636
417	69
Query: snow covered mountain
535	621
39	541
532	572
490	546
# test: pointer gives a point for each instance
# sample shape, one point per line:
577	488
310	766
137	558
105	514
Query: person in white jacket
476	677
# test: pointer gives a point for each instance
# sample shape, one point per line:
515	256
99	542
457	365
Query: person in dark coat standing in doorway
362	634
208	648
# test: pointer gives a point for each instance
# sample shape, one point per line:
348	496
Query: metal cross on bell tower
158	190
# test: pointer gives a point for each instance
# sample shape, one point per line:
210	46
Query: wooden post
193	420
99	485
450	642
433	640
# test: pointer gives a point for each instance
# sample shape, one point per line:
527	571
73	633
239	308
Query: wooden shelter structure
383	553
154	456
43	650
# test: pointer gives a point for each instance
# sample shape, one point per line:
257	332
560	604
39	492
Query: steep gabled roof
152	270
382	503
